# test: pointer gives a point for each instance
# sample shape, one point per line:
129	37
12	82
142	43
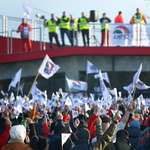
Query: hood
52	138
18	132
144	131
133	132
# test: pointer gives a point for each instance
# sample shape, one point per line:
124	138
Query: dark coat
134	134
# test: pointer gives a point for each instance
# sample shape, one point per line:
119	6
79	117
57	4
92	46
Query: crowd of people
94	126
71	27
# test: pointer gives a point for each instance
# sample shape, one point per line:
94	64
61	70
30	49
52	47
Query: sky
75	7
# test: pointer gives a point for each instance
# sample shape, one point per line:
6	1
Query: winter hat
136	115
122	134
83	133
135	123
39	143
105	119
18	132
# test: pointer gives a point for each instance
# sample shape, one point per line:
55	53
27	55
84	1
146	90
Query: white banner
130	35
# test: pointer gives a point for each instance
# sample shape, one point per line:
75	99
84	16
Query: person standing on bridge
52	28
25	30
119	18
138	17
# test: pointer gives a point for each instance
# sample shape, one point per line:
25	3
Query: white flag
68	102
136	76
74	114
26	105
102	111
105	77
27	10
87	107
91	68
76	102
142	86
129	88
39	92
104	90
48	68
75	84
17	110
64	137
16	79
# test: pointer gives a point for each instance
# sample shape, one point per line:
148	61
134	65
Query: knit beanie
18	132
135	123
57	129
39	143
83	133
122	134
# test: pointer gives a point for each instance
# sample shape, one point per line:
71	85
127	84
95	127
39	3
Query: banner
130	35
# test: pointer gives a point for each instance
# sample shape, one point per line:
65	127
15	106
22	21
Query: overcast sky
128	7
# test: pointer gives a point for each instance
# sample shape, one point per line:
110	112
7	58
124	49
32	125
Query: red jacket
46	130
20	28
4	137
119	19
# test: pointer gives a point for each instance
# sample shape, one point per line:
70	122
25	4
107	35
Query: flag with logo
104	90
76	102
142	86
105	77
102	111
76	84
64	137
48	68
16	79
91	68
27	10
68	102
87	107
74	114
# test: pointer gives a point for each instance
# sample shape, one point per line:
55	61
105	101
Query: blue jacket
52	138
142	147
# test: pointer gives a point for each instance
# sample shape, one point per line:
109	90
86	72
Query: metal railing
140	34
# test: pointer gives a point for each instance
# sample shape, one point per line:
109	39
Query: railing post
77	37
40	38
6	25
7	42
138	34
3	24
11	44
44	35
105	35
35	31
89	37
32	30
93	36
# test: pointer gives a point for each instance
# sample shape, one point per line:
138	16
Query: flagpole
32	85
39	10
62	148
134	92
70	91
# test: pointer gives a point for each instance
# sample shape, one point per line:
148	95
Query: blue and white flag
76	84
48	68
91	68
27	10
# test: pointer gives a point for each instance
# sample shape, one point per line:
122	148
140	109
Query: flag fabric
74	114
27	10
91	68
142	86
76	84
76	102
64	137
39	92
105	77
102	111
16	79
48	68
129	88
87	107
136	76
34	89
17	110
68	102
26	105
104	90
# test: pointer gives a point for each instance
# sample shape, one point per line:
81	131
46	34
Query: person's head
58	128
122	134
83	133
83	14
105	123
72	17
18	132
135	123
104	15
23	20
58	103
53	16
138	10
38	143
64	13
120	12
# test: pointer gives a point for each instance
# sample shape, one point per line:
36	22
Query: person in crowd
84	27
64	26
52	29
24	29
73	28
105	28
138	17
119	18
